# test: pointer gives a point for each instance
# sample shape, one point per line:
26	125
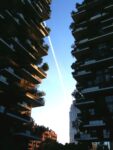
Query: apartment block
92	29
22	47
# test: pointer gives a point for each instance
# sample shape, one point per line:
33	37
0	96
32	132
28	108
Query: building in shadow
92	29
22	47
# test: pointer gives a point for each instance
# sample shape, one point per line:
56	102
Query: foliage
45	67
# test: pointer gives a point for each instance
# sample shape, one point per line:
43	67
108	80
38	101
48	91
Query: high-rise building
72	122
22	47
93	69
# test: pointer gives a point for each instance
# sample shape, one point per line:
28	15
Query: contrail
57	65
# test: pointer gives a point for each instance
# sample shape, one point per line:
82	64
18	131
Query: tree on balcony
45	67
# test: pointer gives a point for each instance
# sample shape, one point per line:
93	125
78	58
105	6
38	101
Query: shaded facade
93	69
22	47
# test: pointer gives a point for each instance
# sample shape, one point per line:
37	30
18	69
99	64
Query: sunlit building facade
93	69
72	122
22	47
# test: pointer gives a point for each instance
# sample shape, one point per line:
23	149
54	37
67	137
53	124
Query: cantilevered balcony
97	63
38	50
86	137
39	29
91	4
40	73
3	83
28	76
26	135
9	73
80	32
82	74
84	103
96	90
20	49
107	21
97	39
81	53
79	16
43	29
95	124
23	106
6	48
14	116
104	136
109	8
34	100
108	28
97	17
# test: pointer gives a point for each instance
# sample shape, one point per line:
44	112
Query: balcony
86	137
79	16
82	74
44	30
26	135
91	4
79	32
40	73
23	106
14	116
96	90
95	124
10	74
107	21
40	30
81	53
108	28
28	76
6	48
109	8
97	63
84	103
97	39
22	51
3	83
34	100
38	50
97	17
2	109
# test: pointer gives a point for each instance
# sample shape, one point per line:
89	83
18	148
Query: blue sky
55	113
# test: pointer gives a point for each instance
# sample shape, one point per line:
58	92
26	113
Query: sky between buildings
55	113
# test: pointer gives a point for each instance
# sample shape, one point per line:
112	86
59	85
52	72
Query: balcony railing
23	106
109	8
22	50
14	115
34	100
28	76
97	90
84	103
92	63
78	16
26	135
5	47
38	71
3	83
90	4
82	74
94	124
9	73
96	39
